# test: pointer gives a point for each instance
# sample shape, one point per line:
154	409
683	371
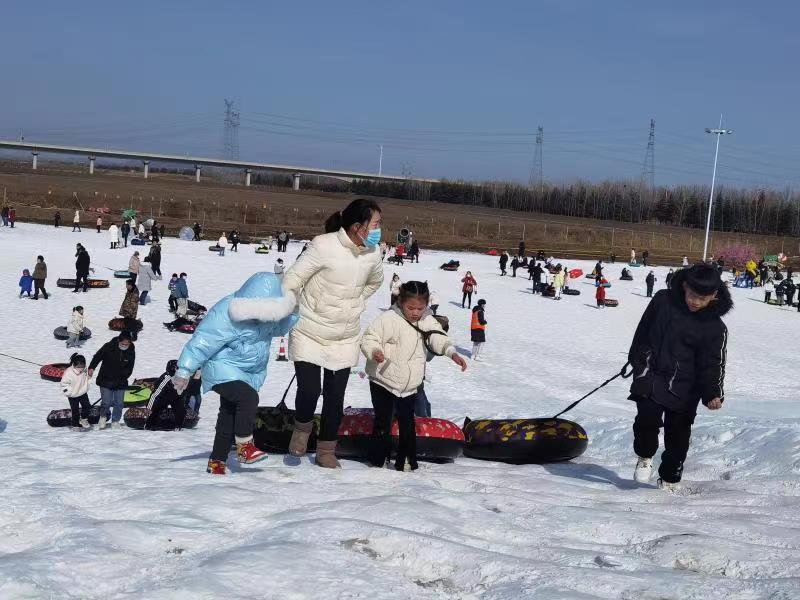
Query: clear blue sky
452	89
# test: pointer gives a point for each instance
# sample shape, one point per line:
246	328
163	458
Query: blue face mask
373	238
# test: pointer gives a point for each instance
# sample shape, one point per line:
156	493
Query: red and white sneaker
216	467
247	453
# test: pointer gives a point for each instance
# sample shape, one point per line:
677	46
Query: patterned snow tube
146	382
137	242
195	308
136	417
590	276
575	273
214	248
262	250
524	441
611	302
571	292
60	333
122	274
53	372
93	283
188	328
63	417
137	395
438	440
118	324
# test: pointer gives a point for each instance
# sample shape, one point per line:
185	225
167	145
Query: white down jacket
113	234
76	323
333	280
74	384
404	368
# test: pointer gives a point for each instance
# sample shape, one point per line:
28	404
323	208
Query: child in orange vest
478	328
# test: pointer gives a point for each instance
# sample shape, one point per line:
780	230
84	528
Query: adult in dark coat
166	396
678	358
503	263
155	258
125	230
57	218
537	273
650	281
118	357
39	276
82	263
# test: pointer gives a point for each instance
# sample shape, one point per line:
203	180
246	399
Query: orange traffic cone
282	351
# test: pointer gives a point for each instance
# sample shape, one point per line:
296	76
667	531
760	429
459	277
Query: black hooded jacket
117	365
678	357
82	264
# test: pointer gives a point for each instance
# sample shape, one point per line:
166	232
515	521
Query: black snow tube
610	302
187	328
571	292
195	308
629	278
63	417
262	250
93	283
214	248
60	333
137	242
122	274
53	372
118	324
524	441
136	417
438	440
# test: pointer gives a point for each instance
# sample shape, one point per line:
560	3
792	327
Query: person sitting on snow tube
165	396
182	321
626	274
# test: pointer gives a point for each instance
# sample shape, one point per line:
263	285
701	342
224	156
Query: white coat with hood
146	276
76	323
74	384
113	234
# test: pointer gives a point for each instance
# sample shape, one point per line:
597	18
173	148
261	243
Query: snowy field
133	514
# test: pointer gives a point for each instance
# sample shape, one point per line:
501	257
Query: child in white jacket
396	346
75	385
75	327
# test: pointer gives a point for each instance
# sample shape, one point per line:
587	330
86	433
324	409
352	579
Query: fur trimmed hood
261	299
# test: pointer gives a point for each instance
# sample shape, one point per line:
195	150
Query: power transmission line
536	179
647	181
231	132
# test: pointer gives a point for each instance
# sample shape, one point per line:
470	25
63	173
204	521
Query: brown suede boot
326	455
298	445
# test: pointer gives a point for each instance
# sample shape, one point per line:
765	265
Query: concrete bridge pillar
91	165
296	181
35	160
197	173
247	177
146	168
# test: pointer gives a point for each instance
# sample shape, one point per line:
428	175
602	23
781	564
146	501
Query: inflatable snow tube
453	265
137	242
628	278
575	273
611	302
136	417
261	250
215	248
146	382
188	328
634	264
438	440
93	283
137	395
122	274
571	292
550	292
524	441
195	307
63	417
60	333
53	371
118	324
492	252
590	276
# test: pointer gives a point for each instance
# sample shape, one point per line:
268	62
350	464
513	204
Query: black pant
98	229
434	308
234	246
237	416
132	327
81	401
81	277
334	384
465	297
677	432
649	291
387	405
178	409
133	277
156	266
173	303
38	285
767	296
125	239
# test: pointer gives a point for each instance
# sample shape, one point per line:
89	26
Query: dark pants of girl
386	404
173	303
677	432
81	402
238	403
156	266
333	387
38	286
81	277
465	297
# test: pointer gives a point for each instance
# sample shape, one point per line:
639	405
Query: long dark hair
359	211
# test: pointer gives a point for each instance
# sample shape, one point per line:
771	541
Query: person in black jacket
82	263
790	289
536	274
165	396
515	264
678	358
503	263
155	257
645	256
118	357
125	231
650	281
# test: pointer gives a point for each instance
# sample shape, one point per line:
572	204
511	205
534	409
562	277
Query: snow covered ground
133	514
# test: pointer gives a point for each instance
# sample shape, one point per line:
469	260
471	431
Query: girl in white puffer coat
75	327
75	385
396	346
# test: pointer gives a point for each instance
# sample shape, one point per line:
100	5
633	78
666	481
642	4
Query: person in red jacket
470	285
600	295
12	216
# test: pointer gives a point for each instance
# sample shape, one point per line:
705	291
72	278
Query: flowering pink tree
737	255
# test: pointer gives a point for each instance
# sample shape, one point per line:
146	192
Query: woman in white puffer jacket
333	280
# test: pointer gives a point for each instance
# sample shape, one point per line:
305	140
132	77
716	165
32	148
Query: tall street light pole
719	132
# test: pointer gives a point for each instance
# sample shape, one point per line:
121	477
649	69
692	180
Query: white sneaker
85	424
667	486
643	471
101	424
115	425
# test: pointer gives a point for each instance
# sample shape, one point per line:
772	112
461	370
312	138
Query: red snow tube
611	302
188	328
118	324
492	252
575	273
53	372
136	417
524	441
93	283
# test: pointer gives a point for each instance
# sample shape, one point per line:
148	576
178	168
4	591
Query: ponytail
359	211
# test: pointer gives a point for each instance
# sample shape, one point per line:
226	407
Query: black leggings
333	387
677	433
38	286
84	277
238	403
81	402
387	405
465	297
